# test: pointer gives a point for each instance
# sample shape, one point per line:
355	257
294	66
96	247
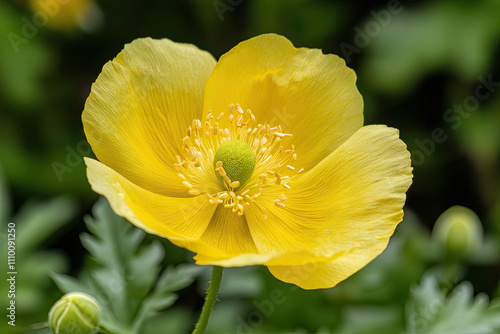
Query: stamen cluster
273	172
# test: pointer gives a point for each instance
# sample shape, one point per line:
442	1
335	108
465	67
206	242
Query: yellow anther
279	204
222	172
187	184
239	109
278	177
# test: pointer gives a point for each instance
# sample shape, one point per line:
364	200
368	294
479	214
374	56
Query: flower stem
209	300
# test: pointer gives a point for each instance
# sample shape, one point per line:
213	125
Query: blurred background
429	68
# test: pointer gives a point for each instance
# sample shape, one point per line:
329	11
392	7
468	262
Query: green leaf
69	284
114	240
432	311
172	279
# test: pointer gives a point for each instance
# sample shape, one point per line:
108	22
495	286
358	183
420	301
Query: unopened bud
458	232
75	313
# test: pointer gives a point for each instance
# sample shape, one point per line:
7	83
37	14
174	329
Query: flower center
236	162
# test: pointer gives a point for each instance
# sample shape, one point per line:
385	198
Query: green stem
209	300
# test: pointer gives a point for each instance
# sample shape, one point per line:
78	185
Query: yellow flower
63	15
325	192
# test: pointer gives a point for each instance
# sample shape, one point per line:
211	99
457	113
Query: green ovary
238	160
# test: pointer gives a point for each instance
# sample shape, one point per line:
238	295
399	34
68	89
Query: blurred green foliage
125	278
420	67
36	224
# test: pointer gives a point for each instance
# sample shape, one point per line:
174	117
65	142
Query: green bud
458	232
75	313
238	160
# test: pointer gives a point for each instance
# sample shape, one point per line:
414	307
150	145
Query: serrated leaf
68	284
146	260
115	240
431	311
172	279
151	306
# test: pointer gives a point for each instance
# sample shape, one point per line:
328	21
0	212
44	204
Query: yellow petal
229	233
264	235
182	220
140	107
311	95
322	275
354	198
64	15
278	231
